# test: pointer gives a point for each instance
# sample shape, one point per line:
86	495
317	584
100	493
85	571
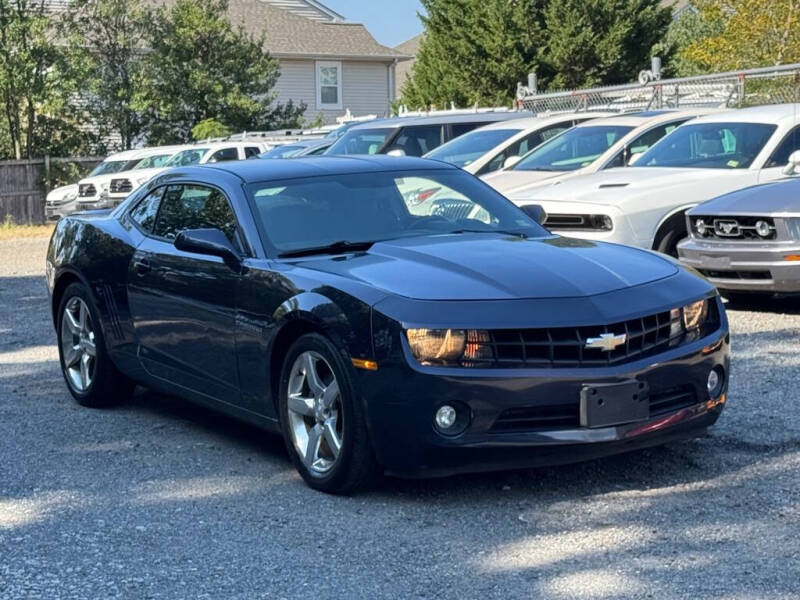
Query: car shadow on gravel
789	305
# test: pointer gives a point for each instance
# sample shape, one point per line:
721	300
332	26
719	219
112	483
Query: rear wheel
91	377
323	422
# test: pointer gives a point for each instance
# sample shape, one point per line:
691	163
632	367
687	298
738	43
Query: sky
391	22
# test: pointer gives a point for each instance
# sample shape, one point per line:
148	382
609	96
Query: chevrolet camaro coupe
305	297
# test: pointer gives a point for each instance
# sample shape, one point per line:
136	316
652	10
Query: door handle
142	266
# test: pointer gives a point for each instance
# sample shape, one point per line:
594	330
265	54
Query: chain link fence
734	89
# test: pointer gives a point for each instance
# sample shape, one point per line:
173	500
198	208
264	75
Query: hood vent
612	185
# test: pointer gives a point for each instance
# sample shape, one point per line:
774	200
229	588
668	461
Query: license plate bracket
609	404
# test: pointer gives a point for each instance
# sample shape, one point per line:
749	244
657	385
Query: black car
307	297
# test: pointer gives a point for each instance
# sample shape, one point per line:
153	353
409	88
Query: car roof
158	150
650	117
313	166
541	121
216	145
484	117
772	113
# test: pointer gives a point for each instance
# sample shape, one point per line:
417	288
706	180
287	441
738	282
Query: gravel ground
160	499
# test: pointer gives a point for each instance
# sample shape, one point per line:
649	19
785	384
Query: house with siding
326	61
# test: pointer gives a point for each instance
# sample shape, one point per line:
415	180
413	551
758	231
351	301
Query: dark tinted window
144	213
250	152
194	207
416	141
358	207
224	155
780	158
457	129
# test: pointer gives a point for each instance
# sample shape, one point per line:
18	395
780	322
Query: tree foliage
201	67
475	51
105	43
34	86
738	34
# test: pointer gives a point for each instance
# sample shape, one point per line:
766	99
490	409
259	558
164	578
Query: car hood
495	267
509	181
62	192
615	186
778	197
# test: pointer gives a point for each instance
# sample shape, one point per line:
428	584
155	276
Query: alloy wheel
315	412
78	347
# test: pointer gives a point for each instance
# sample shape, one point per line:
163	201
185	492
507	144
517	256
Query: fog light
446	417
715	382
763	228
700	227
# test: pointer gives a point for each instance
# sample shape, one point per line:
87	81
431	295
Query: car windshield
187	157
281	152
109	166
575	148
352	209
469	147
709	146
361	141
153	162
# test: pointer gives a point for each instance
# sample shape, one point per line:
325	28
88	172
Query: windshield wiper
334	248
519	234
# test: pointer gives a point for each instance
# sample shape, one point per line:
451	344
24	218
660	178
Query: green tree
593	42
209	128
475	51
201	67
106	41
33	86
740	34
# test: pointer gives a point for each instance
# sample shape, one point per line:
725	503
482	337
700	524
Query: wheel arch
62	281
308	313
668	222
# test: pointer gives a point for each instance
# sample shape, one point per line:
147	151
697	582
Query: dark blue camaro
384	314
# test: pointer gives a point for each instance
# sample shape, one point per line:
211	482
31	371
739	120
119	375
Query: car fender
681	209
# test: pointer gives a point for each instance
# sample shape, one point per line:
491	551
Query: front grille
120	186
743	275
566	416
565	347
731	228
453	209
86	190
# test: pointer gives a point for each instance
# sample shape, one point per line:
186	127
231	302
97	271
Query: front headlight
437	346
71	196
793	224
687	320
695	314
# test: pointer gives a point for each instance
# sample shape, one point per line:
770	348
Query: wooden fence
24	185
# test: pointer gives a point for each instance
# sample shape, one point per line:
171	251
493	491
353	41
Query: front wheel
91	377
323	422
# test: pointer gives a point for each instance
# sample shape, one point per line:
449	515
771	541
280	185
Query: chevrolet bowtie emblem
606	342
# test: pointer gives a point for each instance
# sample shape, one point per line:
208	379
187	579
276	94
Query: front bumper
744	266
402	398
53	212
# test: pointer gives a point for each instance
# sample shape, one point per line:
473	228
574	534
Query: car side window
780	158
223	155
145	212
523	146
194	207
250	152
416	141
642	144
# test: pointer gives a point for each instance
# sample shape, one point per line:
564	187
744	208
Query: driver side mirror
535	212
211	242
794	162
511	161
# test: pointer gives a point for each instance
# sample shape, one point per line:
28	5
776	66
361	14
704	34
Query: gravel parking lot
160	499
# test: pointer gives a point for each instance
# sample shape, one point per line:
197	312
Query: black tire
108	386
355	468
667	242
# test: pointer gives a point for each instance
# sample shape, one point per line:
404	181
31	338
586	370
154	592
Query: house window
329	84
